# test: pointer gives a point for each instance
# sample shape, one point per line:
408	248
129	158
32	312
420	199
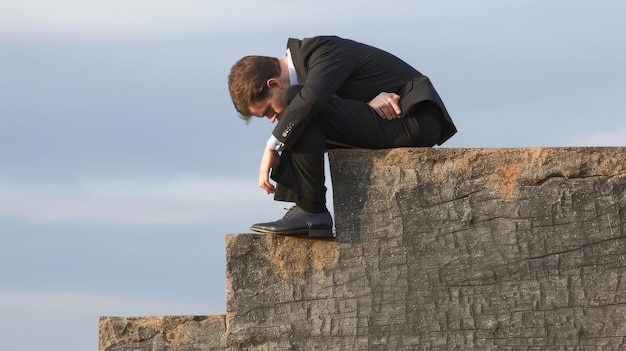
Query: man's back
332	66
366	70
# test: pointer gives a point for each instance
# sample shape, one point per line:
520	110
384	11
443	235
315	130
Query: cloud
88	303
615	137
104	17
122	18
173	201
68	320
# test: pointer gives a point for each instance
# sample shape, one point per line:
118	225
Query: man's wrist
274	144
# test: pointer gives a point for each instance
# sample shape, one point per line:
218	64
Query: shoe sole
311	233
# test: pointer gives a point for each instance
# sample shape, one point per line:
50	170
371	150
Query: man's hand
268	162
386	105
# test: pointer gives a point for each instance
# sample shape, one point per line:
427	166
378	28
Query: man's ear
273	83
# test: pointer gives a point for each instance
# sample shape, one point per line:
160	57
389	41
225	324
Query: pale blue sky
119	146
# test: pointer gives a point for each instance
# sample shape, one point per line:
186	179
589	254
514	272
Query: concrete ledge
437	249
175	333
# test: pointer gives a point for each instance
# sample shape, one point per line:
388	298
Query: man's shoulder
323	38
313	43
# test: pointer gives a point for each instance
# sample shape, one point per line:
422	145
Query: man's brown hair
247	81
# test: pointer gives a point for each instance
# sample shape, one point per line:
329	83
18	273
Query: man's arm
329	62
269	161
385	104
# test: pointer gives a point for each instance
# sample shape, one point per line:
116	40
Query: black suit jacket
329	65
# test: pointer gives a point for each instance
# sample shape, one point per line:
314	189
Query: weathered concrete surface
174	333
439	249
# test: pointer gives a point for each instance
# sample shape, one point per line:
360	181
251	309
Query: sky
123	164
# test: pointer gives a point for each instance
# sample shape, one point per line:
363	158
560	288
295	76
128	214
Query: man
351	94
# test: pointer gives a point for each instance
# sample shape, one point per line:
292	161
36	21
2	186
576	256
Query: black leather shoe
299	222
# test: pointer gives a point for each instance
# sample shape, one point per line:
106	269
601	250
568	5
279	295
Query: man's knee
430	119
312	139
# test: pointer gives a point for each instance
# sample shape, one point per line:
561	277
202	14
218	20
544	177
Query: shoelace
290	212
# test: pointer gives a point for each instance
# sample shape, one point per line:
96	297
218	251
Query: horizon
119	144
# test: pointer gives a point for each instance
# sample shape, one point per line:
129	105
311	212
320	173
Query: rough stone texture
174	333
437	249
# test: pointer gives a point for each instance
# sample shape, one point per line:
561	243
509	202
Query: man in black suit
351	94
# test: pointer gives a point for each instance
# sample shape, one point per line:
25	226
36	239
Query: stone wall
436	249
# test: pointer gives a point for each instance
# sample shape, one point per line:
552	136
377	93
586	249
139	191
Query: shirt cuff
274	144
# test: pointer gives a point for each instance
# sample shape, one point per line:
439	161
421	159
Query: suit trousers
350	123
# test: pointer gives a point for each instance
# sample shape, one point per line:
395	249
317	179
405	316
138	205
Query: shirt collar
293	75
